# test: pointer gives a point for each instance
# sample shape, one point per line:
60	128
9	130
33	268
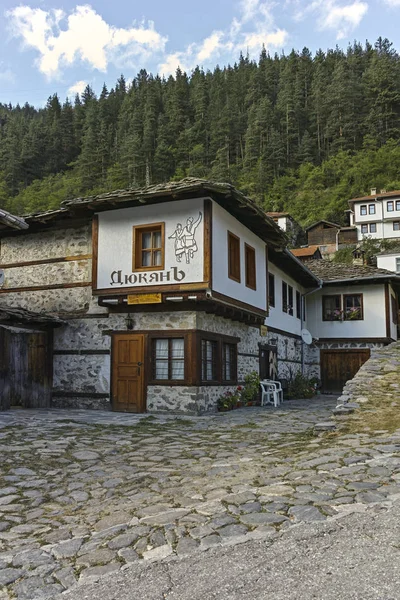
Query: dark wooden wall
25	369
321	235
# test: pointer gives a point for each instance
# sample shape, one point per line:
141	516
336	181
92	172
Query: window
233	257
396	225
271	289
168	359
298	304
209	360
363	209
148	247
353	307
397	265
390	206
372	227
371	209
284	297
229	360
364	228
290	300
250	266
397	204
331	308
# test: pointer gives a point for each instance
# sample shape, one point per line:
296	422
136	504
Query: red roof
309	251
377	196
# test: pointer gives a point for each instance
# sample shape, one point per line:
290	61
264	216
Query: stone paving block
306	513
158	553
10	575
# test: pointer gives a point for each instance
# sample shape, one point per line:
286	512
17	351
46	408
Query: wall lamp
129	322
273	341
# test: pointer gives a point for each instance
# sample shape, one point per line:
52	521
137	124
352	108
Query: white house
377	215
163	296
166	297
354	311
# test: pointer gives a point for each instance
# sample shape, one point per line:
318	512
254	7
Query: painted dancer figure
184	238
189	239
179	242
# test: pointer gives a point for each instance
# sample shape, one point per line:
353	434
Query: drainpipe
302	309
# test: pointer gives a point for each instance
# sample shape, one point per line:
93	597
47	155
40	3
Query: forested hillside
299	132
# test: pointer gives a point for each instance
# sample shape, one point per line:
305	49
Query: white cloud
254	27
77	88
86	37
331	14
392	3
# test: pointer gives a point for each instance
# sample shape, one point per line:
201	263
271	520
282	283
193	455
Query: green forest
297	132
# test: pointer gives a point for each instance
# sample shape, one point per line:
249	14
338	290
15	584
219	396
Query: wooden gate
26	372
338	366
128	391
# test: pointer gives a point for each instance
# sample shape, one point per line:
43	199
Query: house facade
354	312
377	215
329	237
162	299
162	293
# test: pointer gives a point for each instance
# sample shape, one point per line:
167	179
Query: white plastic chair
269	391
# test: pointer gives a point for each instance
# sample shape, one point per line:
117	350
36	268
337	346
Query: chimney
358	256
383	191
373	191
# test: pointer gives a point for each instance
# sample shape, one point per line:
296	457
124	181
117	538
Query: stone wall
377	379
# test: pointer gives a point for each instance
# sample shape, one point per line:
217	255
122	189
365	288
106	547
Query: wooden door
268	357
128	373
338	366
39	369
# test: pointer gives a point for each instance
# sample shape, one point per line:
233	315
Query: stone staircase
378	378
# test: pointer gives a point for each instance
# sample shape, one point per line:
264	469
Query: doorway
338	366
128	389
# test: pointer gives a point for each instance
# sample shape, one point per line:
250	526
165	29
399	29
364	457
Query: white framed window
372	227
398	265
364	228
371	209
363	209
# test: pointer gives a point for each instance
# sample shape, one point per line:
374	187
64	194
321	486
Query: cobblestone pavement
87	493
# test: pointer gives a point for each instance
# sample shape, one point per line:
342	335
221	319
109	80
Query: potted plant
251	389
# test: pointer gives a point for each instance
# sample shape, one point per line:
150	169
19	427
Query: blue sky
49	46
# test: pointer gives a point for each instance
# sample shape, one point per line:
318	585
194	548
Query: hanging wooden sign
144	299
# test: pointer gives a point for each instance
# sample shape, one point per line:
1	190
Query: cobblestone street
86	493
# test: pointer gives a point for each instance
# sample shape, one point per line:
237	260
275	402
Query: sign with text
144	298
151	245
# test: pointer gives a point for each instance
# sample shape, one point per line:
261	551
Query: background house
329	237
377	215
308	253
353	312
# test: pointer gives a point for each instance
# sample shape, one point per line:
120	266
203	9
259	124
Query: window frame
233	361
397	259
271	290
364	228
220	341
187	352
371	225
362	208
361	318
397	204
298	305
371	206
324	298
138	231
250	282
390	203
290	301
398	225
284	296
231	267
